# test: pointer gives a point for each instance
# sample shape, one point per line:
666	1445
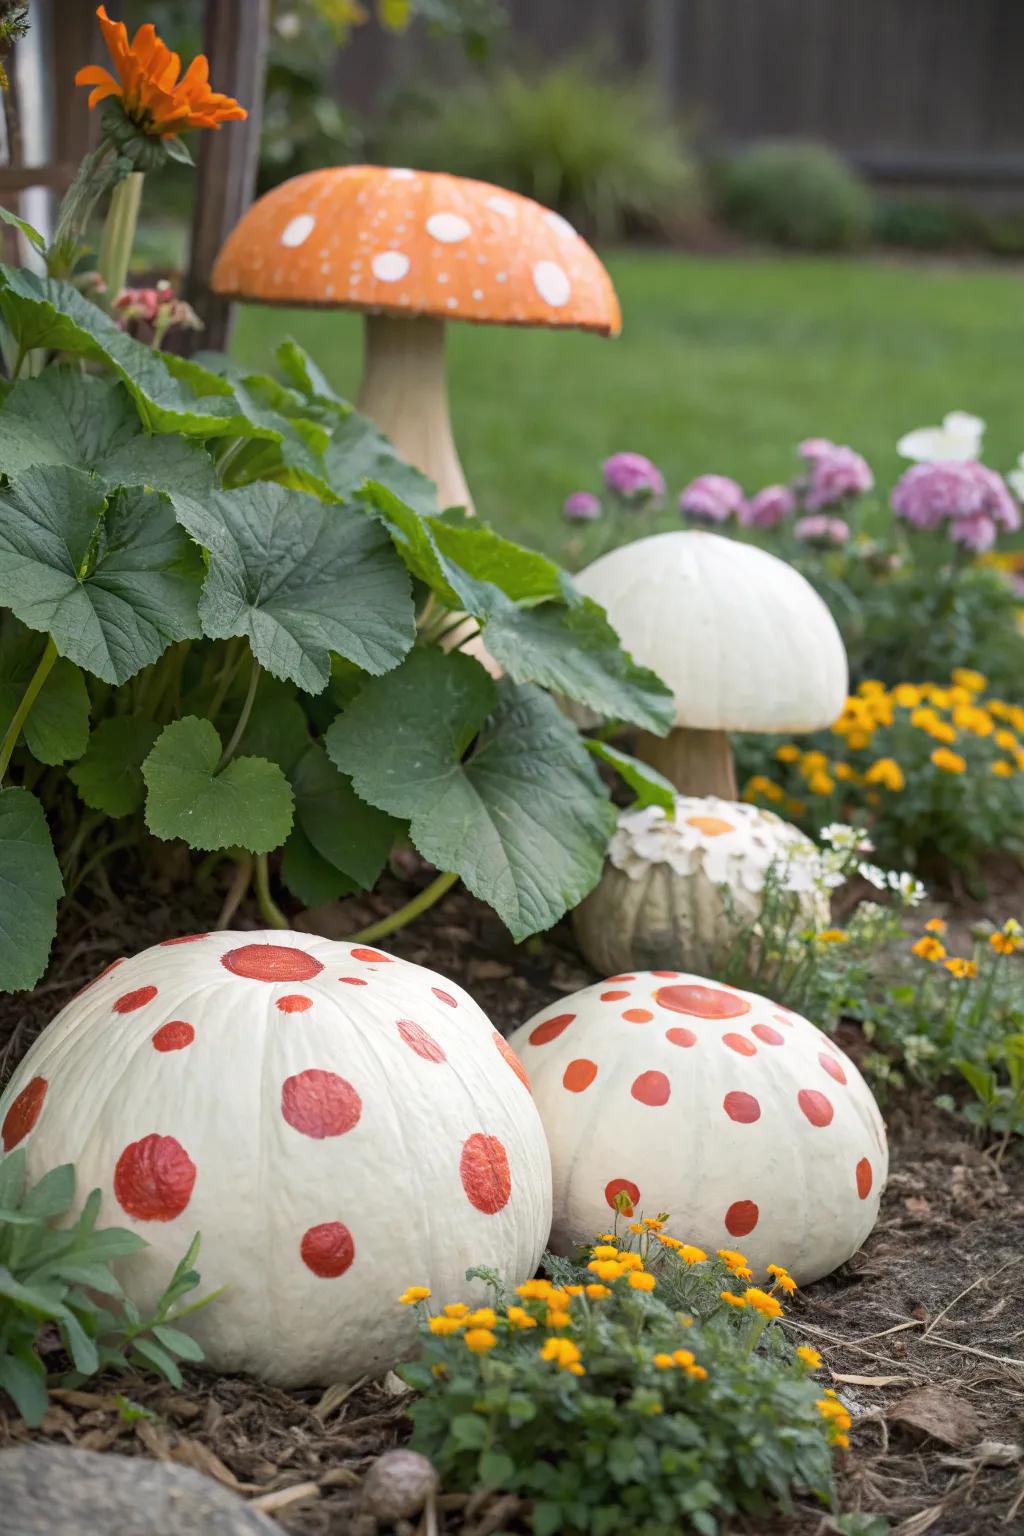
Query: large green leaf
109	776
310	878
113	580
649	786
30	888
277	728
89	421
359	452
302	374
523	819
247	804
57	727
300	579
344	830
172	393
292	441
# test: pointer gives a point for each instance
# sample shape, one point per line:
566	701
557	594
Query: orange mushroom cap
416	243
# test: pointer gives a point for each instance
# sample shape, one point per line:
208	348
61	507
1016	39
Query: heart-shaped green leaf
109	776
523	819
56	729
247	804
30	888
114	581
300	579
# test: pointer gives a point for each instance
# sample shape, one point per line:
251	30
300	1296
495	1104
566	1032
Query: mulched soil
923	1329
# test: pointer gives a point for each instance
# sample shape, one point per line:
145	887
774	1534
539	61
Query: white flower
849	839
959	437
910	890
874	876
1015	479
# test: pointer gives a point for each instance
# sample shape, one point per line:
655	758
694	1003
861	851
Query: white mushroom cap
743	641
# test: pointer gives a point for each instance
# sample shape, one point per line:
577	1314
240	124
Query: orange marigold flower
929	948
762	1302
1005	943
809	1357
642	1282
963	970
935	925
733	1299
146	81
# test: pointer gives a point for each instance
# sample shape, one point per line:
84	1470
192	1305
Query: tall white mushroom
743	641
412	250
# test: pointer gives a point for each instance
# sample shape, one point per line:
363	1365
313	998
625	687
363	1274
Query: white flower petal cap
743	641
416	243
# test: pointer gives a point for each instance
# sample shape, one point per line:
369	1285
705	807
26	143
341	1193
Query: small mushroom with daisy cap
742	639
413	250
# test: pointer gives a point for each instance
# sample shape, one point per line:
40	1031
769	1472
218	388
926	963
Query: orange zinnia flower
153	97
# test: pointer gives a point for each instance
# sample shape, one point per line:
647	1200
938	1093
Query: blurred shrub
598	151
923	226
794	194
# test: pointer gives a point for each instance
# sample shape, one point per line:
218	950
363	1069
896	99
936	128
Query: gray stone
51	1490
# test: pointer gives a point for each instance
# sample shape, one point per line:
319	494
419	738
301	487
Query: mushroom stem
405	391
696	762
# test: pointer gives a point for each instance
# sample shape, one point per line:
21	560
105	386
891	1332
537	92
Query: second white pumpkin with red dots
337	1125
741	1119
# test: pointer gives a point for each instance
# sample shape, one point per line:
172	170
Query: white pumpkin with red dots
740	1118
337	1124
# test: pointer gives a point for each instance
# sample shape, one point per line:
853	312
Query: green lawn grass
723	364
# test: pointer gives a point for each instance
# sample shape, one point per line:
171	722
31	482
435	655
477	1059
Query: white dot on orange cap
401	173
390	266
298	229
552	283
449	228
502	205
560	225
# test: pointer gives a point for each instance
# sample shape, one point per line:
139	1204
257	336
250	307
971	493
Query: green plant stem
243	719
28	698
232	661
119	233
403	915
99	170
269	910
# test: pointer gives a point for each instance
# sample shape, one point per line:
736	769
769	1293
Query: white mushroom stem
696	762
405	391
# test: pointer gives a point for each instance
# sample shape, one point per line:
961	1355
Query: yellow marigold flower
534	1290
605	1251
607	1237
783	1279
821	784
414	1293
557	1318
928	948
963	970
683	1357
887	772
631	1261
1002	769
663	1362
809	1357
563	1352
1007	741
483	1317
871	688
974	682
733	1299
942	731
559	1300
813	762
653	1224
640	1281
759	785
574	1290
480	1340
906	695
949	762
520	1318
1004	943
456	1309
696	1373
843	1442
762	1301
858	740
924	718
936	925
672	1243
598	1292
445	1325
789	753
942	697
833	1412
831	936
735	1262
691	1254
605	1269
844	772
575	1368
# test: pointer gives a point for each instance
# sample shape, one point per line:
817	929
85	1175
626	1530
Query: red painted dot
579	1074
622	1187
680	1036
419	1041
485	1174
153	1178
703	1002
781	1018
740	1044
620	978
271	962
444	997
742	1107
513	1060
664	973
741	1218
320	1104
865	1178
174	1036
294	1002
328	1250
767	1034
815	1106
832	1066
353	981
137	999
25	1109
551	1028
613	997
651	1088
637	1015
186	938
373	956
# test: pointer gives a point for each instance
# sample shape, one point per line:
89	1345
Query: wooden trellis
235	41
